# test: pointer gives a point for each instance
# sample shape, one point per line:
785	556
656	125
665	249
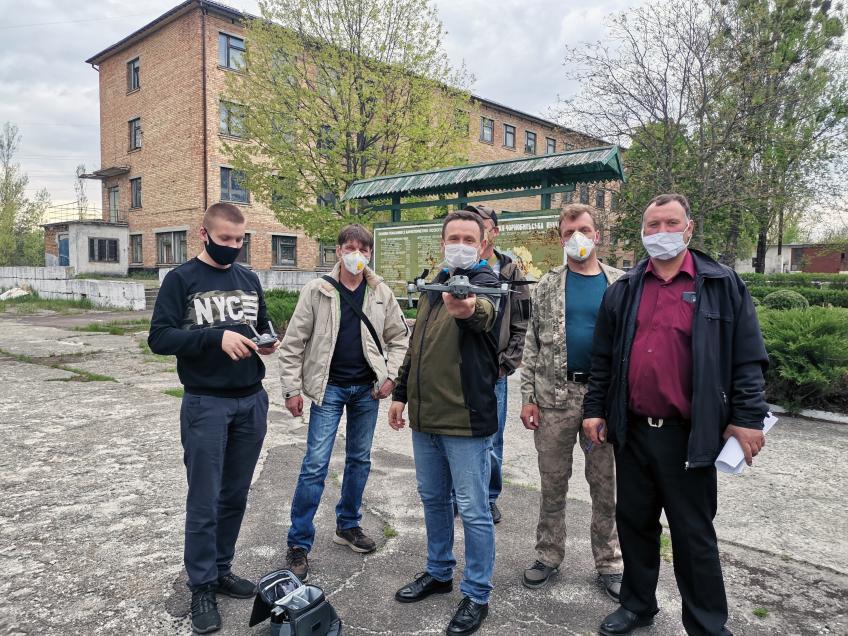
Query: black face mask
221	254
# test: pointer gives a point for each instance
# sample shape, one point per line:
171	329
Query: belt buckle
655	423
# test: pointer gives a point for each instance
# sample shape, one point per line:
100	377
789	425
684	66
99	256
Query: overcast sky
514	48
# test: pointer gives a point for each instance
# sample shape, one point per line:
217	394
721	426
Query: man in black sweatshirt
203	316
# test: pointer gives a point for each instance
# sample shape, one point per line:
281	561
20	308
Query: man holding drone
448	380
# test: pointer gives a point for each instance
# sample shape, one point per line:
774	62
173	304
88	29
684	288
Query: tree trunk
762	246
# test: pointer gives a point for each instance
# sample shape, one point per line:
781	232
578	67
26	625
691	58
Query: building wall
78	239
170	104
51	243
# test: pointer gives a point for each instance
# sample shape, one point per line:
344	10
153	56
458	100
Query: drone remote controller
266	339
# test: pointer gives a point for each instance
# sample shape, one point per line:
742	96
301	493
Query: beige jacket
545	359
307	348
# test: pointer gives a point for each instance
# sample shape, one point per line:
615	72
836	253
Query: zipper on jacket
420	355
699	286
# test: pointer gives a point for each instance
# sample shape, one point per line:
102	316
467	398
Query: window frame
133	75
483	128
508	128
227	193
134	132
276	240
584	193
229	119
244	254
527	135
135	193
96	244
548	149
224	51
178	244
136	241
323	248
601	196
113	218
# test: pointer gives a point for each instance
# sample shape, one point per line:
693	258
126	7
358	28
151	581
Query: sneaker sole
231	595
208	630
535	586
342	541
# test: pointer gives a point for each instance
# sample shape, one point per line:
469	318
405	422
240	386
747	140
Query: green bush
757	302
822	297
785	299
808	353
280	306
832	281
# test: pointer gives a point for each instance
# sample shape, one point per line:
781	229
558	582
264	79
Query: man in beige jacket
330	355
553	382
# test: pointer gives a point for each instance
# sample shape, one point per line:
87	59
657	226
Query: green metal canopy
545	172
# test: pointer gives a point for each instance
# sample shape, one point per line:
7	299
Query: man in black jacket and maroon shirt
677	368
203	316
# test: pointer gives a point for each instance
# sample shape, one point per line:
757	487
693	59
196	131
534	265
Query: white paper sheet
732	459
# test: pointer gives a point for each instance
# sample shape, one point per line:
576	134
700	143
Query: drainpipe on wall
203	95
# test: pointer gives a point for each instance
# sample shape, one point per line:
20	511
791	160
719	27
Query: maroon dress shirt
660	374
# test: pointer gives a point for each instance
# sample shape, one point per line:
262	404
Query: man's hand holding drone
459	307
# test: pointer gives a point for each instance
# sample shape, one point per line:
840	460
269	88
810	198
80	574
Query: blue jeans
361	411
496	480
221	438
442	460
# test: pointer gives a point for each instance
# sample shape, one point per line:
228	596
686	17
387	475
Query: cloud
514	48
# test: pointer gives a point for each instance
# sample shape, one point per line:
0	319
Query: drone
265	339
459	286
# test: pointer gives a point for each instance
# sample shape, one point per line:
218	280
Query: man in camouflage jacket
554	374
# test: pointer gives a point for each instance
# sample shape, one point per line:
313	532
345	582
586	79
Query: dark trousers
222	438
651	476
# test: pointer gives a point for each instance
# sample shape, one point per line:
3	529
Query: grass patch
83	376
80	375
177	393
336	478
152	357
665	548
389	532
18	357
33	304
117	327
761	612
518	484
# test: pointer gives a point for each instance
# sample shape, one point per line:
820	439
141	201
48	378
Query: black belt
581	377
658	422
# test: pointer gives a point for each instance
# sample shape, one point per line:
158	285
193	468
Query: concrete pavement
92	511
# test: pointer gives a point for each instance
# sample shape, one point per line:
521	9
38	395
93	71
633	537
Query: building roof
592	164
169	16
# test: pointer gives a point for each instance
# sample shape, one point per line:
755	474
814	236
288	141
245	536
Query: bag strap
357	310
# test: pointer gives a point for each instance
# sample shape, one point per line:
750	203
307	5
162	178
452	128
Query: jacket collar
705	266
372	279
562	270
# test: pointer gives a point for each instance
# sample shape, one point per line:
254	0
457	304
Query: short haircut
357	233
574	211
223	211
663	199
463	215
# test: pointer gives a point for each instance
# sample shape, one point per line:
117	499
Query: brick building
163	118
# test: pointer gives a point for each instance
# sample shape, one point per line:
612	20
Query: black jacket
451	366
728	356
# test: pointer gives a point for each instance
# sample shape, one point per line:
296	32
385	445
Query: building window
569	146
626	264
529	142
509	136
244	255
113	204
171	248
600	199
136	255
230	51
568	197
232	186
232	119
133	76
325	140
328	254
487	130
614	201
326	200
135	192
135	133
584	194
102	250
550	146
284	251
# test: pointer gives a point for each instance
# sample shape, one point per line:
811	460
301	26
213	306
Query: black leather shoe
468	618
423	586
623	621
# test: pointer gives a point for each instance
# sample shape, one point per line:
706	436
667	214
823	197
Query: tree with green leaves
21	237
333	92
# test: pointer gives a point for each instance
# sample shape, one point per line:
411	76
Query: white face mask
354	262
460	256
579	247
664	246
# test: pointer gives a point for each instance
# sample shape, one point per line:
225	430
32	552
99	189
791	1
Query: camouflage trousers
554	439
